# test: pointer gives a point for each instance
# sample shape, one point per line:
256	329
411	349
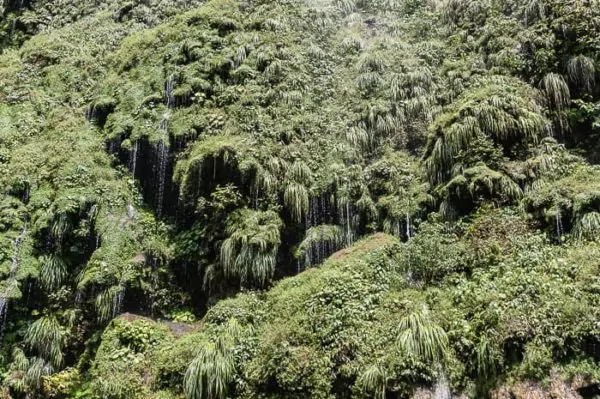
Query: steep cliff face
158	157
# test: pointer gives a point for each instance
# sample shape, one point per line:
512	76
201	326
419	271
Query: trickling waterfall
117	304
13	273
559	225
89	113
442	388
3	311
169	88
133	158
162	150
320	213
407	225
17	248
163	155
346	222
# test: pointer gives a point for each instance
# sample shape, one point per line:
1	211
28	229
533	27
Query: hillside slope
158	157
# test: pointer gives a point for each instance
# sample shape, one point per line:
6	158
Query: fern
209	374
375	380
582	72
556	90
53	271
588	226
423	339
295	198
250	251
45	336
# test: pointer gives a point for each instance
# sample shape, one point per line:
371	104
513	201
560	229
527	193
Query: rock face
578	388
557	389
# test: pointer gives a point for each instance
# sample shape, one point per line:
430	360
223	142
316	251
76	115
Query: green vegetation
299	199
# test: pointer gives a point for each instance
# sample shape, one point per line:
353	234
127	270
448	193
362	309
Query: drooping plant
249	253
422	338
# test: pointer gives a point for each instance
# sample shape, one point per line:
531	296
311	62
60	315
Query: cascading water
117	304
346	222
14	22
13	274
17	248
319	213
162	149
559	225
442	388
169	89
162	154
133	158
3	311
407	225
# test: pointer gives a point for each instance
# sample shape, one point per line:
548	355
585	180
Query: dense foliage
161	157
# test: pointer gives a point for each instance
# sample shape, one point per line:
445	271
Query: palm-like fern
375	380
210	374
53	271
45	336
556	90
295	198
582	72
502	109
588	226
422	338
250	251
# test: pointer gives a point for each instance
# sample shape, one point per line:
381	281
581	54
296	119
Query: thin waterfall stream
5	296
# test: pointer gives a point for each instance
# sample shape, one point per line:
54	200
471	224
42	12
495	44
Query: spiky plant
108	302
299	172
422	338
486	358
503	110
250	251
295	198
588	226
38	369
211	373
53	271
45	336
375	380
557	90
481	181
358	136
534	11
582	72
346	6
